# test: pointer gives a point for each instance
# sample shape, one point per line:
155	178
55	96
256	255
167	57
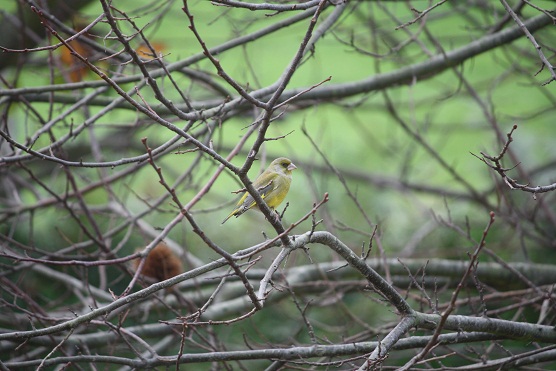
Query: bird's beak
291	167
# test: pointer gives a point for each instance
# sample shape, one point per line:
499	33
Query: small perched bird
273	186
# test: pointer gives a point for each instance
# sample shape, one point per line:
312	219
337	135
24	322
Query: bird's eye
284	164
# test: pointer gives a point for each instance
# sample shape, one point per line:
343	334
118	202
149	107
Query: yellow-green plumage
273	186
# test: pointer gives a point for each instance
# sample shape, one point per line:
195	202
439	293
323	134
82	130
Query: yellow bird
273	186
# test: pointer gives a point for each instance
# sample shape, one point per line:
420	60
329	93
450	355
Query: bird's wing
264	191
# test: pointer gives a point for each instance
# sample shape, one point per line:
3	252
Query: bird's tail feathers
229	216
237	212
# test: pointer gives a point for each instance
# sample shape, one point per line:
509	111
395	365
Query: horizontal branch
267	6
290	353
510	329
